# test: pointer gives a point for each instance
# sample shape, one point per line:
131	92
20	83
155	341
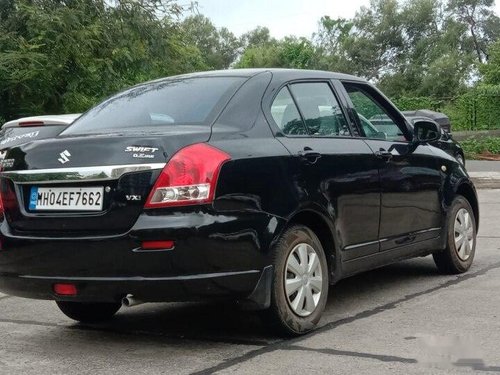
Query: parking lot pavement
405	318
484	173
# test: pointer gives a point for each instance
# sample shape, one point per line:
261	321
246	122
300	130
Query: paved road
482	166
405	318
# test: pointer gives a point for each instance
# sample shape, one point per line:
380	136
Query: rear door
410	178
336	172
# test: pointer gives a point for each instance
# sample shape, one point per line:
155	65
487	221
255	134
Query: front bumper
215	255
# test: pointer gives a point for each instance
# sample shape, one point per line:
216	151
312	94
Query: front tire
300	283
88	312
461	239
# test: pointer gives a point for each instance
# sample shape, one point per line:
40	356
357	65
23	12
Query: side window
374	119
320	109
286	115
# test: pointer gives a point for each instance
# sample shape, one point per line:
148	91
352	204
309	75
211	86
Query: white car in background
27	129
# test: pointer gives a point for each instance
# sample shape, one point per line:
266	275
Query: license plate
66	198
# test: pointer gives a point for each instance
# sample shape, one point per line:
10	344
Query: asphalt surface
482	166
484	173
405	318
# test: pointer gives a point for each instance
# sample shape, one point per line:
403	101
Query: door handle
383	154
309	155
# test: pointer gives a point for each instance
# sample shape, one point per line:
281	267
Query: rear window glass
186	101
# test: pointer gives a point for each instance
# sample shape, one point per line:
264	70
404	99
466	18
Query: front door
410	178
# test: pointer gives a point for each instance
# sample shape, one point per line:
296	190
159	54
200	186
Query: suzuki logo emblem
64	157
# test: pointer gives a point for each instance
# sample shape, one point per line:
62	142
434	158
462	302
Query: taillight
190	177
31	123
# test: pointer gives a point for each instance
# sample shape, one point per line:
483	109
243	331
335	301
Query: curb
485	180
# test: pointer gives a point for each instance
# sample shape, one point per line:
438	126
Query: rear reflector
31	123
157	245
190	177
65	289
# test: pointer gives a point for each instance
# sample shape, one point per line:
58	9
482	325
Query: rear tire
88	312
300	282
461	239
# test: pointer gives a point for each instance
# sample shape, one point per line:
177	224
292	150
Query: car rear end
121	203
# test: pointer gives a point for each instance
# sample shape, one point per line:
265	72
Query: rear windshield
186	101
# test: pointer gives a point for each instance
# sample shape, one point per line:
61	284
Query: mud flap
260	298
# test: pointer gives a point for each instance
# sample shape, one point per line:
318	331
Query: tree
290	52
258	37
483	24
219	48
62	56
491	70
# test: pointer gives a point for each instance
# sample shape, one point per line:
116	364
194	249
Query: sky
282	17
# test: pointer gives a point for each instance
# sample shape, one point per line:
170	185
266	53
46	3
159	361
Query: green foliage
290	52
477	109
411	48
218	48
491	70
405	103
63	56
473	147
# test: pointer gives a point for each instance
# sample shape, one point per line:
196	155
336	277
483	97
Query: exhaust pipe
130	300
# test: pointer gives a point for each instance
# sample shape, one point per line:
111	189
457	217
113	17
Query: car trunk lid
44	183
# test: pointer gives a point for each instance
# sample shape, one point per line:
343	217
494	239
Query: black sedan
257	186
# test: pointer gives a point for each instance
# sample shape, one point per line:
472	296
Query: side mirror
426	131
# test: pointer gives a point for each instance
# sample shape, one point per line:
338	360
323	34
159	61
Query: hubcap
464	234
303	279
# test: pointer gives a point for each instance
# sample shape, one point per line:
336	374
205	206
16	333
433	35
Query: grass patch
473	148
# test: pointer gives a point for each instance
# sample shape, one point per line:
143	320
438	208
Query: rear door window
286	115
169	102
320	109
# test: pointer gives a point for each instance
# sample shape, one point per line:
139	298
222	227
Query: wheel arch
469	193
321	226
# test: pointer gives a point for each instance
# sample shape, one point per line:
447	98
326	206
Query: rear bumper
112	289
215	255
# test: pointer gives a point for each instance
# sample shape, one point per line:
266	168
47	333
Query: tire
313	283
88	312
457	258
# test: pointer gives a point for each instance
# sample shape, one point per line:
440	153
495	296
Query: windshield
171	102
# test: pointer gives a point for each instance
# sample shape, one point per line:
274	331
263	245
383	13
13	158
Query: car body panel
375	211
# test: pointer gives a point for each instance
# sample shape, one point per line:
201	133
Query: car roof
46	119
285	74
